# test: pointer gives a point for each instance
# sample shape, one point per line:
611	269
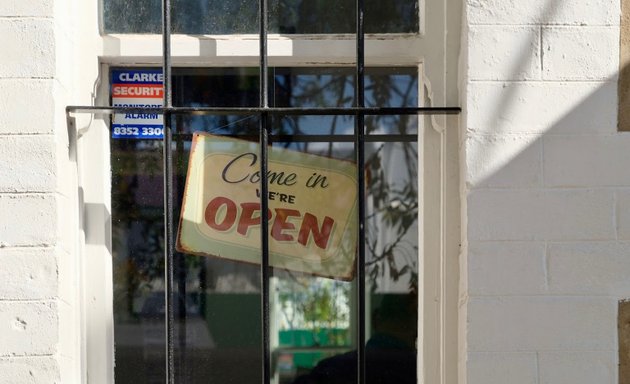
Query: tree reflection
320	306
391	168
210	17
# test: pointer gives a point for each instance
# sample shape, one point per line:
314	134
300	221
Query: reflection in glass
138	262
217	302
392	244
217	308
392	261
391	279
217	17
334	87
312	316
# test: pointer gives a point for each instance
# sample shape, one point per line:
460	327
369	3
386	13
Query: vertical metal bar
264	70
166	52
360	157
168	194
264	265
264	203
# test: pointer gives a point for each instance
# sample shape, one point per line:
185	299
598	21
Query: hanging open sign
312	211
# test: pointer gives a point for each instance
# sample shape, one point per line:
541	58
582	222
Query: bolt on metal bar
359	131
264	202
168	194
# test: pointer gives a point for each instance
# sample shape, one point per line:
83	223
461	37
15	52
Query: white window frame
433	51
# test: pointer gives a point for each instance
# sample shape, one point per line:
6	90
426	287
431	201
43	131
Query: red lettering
280	223
247	218
221	214
136	91
320	236
213	208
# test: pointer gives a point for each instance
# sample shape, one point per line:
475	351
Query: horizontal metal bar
311	349
328	111
376	138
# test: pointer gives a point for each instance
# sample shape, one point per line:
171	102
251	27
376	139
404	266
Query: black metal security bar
333	111
359	145
168	194
265	112
264	192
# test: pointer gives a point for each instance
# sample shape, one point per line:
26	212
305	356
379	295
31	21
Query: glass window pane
138	260
241	16
334	87
392	262
216	87
217	307
201	17
222	317
391	87
314	317
339	16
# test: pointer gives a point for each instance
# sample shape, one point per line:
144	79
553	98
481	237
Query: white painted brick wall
39	324
28	163
513	368
505	53
33	8
592	268
577	367
30	370
545	192
541	215
507	268
506	161
542	107
623	214
28	48
28	328
28	274
585	161
580	53
575	12
17	96
522	323
28	220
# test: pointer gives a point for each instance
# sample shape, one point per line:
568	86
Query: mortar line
546	267
542	52
614	218
537	367
542	161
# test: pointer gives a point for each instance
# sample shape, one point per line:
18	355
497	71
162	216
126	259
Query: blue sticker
146	76
144	131
137	89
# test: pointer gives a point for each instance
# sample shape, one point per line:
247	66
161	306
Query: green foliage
312	302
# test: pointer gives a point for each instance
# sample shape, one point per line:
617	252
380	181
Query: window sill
403	49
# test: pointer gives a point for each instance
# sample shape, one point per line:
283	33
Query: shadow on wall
529	106
509	121
548	211
517	149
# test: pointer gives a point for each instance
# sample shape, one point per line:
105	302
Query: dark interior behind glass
217	312
216	17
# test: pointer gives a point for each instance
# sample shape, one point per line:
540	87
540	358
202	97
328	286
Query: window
313	322
212	17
